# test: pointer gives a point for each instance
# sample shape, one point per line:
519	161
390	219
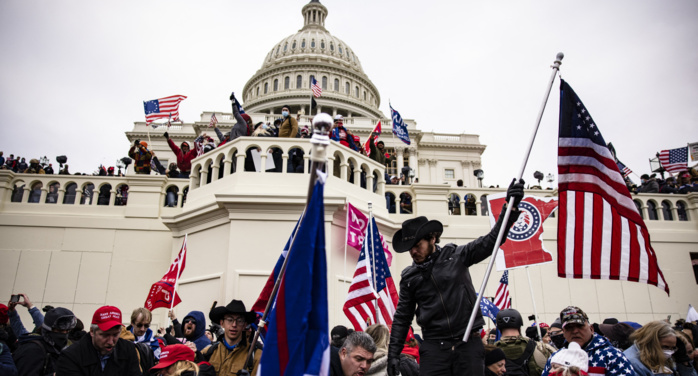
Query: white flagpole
373	256
535	312
179	264
346	238
476	308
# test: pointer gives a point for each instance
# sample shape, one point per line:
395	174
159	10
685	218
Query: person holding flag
439	283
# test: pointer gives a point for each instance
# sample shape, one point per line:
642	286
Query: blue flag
298	339
399	126
489	309
236	103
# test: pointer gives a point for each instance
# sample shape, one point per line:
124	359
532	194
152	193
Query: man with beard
37	354
229	355
194	329
101	352
439	283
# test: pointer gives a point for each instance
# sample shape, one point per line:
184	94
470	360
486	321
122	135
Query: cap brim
163	364
574	321
401	246
105	326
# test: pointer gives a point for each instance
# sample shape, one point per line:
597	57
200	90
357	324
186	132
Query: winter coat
289	127
379	366
34	356
649	186
7	365
83	359
335	362
633	355
376	154
443	290
409	366
604	359
183	160
228	362
199	336
16	321
240	129
348	141
141	159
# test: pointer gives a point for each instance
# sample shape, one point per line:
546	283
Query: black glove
516	190
232	96
393	366
137	142
167	136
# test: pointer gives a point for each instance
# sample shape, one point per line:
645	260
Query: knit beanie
494	356
573	355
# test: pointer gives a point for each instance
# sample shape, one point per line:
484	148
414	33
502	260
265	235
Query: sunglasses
189	321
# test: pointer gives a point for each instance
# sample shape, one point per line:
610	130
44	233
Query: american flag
317	90
501	299
674	160
163	108
600	234
213	121
360	306
624	170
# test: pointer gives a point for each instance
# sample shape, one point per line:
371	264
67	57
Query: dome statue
312	52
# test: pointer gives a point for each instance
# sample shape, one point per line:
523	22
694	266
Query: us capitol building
81	244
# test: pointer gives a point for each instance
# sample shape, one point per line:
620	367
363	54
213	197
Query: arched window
638	205
171	197
484	211
356	91
287	83
454	204
121	195
87	191
324	82
666	211
35	193
390	201
340	50
312	43
346	88
257	90
266	87
52	195
277	49
276	84
104	195
293	46
303	44
469	204
285	47
681	211
336	84
405	203
17	193
331	46
364	94
322	44
652	210
299	82
69	197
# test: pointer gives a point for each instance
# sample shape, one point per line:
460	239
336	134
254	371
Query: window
310	82
312	43
364	94
346	88
666	211
287	83
266	87
449	173
638	205
331	46
257	90
340	50
694	262
336	84
293	46
299	82
324	82
285	47
356	91
322	44
483	206
681	211
277	49
276	84
303	44
652	210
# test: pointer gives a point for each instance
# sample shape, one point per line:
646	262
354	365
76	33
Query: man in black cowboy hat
438	287
228	356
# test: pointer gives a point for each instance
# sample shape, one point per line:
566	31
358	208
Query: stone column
357	175
369	182
227	164
112	196
284	163
400	161
240	163
413	160
467	172
422	165
204	176
61	195
44	193
343	168
214	170
432	171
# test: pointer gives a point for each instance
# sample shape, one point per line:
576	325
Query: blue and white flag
298	339
487	308
399	126
236	103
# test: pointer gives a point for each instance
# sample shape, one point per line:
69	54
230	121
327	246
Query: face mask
490	341
59	339
284	113
264	126
668	353
558	340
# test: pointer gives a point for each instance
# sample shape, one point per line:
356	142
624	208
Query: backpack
519	367
146	358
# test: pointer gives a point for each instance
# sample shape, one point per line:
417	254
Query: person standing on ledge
439	283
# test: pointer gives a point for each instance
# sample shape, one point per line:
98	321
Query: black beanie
494	356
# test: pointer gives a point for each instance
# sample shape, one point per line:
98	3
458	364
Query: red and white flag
214	121
524	245
162	108
357	223
164	291
600	233
501	298
377	132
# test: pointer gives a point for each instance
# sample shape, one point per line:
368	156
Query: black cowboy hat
413	230
234	307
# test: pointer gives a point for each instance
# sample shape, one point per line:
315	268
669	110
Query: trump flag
524	245
298	338
163	292
356	229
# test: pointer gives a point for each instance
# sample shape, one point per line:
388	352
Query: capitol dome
286	72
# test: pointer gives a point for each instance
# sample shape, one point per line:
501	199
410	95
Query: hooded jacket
604	359
183	160
199	336
83	359
34	355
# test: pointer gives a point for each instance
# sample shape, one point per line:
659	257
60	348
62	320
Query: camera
14	298
532	318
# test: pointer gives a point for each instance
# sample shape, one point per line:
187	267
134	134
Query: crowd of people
684	182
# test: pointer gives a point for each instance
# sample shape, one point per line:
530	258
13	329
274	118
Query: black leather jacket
442	295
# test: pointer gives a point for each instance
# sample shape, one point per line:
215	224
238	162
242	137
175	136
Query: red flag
356	228
600	233
164	291
524	245
377	131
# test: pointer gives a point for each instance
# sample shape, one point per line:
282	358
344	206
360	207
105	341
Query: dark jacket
34	356
83	359
443	291
7	365
335	362
199	335
141	158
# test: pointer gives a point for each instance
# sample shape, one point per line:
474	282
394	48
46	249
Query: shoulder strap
210	351
530	348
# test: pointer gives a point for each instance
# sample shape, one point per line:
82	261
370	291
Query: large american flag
501	299
600	234
317	90
163	108
360	306
674	160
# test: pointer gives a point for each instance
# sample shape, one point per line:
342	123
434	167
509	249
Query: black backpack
146	357
519	367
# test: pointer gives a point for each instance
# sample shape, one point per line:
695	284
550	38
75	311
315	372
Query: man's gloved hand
167	136
393	366
136	142
516	190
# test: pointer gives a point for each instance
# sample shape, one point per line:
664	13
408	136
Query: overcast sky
74	74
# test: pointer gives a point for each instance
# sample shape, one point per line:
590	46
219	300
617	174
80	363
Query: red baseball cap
106	317
172	354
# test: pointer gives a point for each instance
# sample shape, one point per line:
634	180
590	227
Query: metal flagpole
373	256
321	127
476	308
535	312
179	264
